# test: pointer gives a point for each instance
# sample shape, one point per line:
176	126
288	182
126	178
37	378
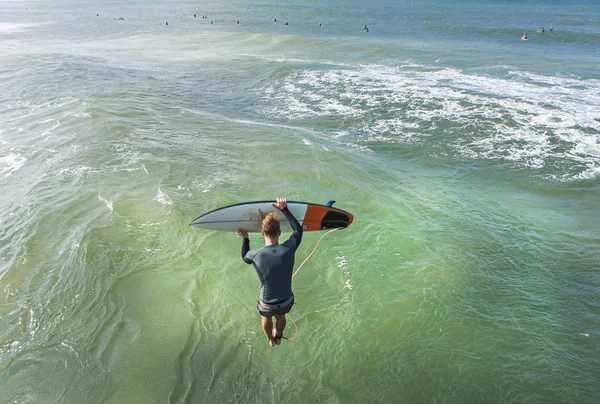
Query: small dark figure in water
275	20
119	19
97	15
551	28
194	15
320	25
238	22
211	22
286	23
167	23
542	30
367	30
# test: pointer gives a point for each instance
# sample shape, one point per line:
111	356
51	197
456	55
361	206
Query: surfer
542	30
274	264
524	37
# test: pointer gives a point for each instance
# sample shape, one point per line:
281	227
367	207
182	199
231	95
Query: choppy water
470	159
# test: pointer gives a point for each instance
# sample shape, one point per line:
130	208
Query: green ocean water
469	158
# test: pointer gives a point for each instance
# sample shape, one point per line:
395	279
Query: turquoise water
470	159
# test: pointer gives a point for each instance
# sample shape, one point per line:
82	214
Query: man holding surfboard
274	266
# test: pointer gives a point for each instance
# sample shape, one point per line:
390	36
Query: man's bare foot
277	340
272	342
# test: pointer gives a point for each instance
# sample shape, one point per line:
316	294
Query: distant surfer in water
524	37
274	264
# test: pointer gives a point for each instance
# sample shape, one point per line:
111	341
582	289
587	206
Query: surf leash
298	270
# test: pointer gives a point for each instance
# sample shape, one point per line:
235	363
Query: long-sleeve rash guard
274	264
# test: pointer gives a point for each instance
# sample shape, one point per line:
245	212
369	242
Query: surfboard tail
319	217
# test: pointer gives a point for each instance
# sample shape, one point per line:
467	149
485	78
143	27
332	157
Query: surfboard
249	216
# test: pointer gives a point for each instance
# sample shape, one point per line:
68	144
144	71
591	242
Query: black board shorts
278	309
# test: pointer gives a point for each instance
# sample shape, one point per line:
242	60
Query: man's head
270	226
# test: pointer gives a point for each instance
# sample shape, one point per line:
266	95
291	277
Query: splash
162	198
11	163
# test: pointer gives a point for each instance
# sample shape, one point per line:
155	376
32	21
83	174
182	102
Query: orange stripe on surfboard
313	218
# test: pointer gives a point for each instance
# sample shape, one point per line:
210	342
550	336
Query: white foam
343	265
258	123
287	60
108	203
77	171
54	126
11	163
9	28
515	118
162	198
592	172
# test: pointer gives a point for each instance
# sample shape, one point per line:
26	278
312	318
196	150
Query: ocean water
470	159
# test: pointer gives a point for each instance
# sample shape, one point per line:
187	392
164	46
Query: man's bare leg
267	325
279	327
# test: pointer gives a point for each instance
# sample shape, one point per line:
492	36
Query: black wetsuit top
274	264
